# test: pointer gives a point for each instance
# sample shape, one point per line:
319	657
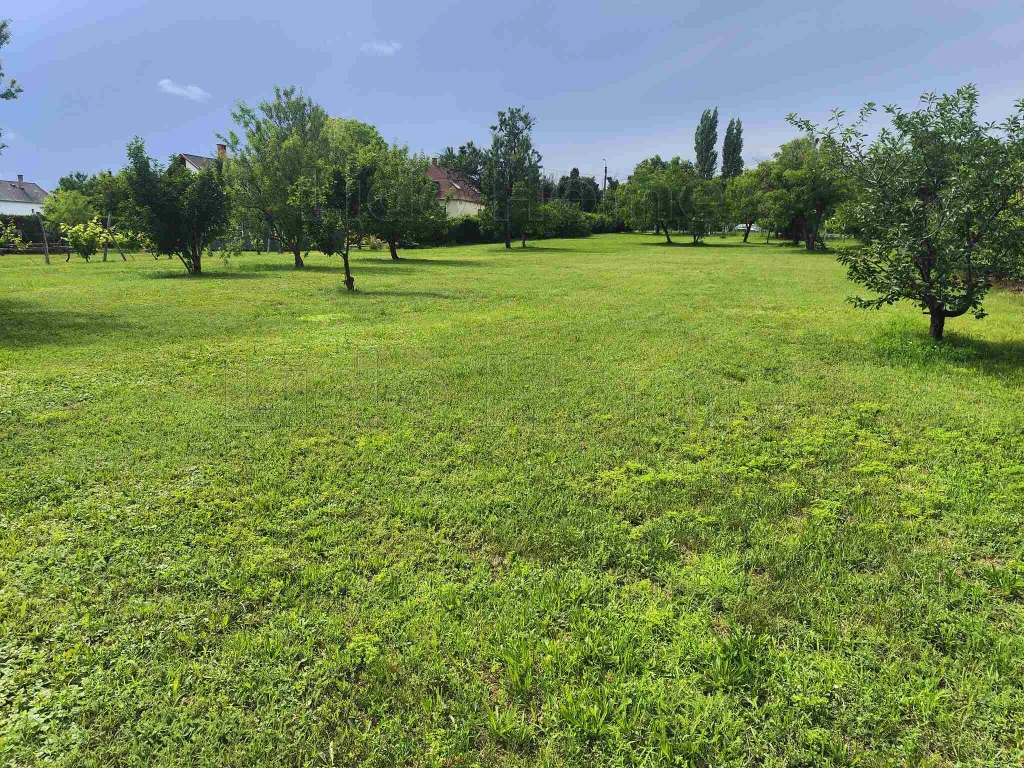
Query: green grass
598	502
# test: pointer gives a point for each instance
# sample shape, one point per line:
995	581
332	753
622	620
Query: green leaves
704	142
179	211
732	150
281	166
510	177
938	204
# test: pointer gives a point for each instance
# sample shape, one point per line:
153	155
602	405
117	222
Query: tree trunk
197	259
523	243
508	237
350	284
299	263
938	324
668	238
812	231
46	243
393	245
746	233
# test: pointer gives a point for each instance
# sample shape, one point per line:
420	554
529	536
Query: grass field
598	502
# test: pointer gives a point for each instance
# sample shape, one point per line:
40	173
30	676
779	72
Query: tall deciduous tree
656	193
704	142
732	150
180	211
12	89
68	208
702	206
281	171
399	200
938	205
338	223
744	200
467	162
512	165
812	188
77	181
584	191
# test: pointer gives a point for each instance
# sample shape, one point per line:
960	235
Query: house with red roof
456	194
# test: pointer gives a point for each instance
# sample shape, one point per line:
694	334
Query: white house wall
19	209
462	208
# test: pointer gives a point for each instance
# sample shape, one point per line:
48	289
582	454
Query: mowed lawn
595	502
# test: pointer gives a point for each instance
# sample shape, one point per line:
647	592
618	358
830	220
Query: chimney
433	160
222	150
21	179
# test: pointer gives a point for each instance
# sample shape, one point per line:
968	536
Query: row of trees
290	173
935	200
794	193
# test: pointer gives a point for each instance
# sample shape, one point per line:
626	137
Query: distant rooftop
449	181
21	192
200	162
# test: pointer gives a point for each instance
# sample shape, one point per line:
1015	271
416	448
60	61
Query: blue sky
613	80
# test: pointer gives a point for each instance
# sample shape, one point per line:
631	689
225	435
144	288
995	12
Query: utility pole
604	184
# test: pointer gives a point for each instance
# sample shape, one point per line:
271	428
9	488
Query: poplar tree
704	142
732	150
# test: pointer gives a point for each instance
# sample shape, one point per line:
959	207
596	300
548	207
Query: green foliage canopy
179	211
938	204
732	150
511	173
704	142
282	170
744	200
399	200
68	208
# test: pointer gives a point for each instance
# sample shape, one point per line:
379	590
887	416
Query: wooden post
105	239
46	244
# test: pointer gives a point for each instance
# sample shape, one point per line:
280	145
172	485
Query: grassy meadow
596	502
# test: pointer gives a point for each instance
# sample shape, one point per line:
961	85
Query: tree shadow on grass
706	245
388	262
408	295
253	270
25	324
994	358
908	345
203	277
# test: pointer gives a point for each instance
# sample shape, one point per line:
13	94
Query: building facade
21	198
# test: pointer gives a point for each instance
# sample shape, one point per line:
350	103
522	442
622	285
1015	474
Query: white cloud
382	47
193	92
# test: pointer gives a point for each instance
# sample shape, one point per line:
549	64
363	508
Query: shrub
10	237
601	223
464	229
562	218
88	238
29	227
491	230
